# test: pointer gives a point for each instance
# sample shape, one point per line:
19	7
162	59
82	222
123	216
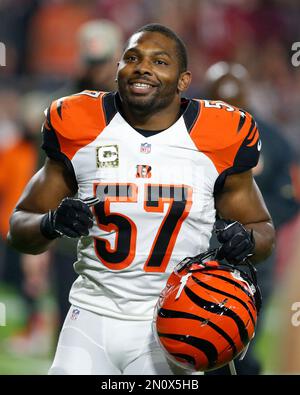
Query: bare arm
241	200
44	192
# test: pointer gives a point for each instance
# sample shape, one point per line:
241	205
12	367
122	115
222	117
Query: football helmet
207	312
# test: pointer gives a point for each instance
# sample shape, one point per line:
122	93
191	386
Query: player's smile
141	86
148	72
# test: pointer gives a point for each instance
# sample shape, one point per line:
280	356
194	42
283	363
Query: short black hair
180	46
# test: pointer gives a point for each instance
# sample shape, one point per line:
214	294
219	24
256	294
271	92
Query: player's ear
184	81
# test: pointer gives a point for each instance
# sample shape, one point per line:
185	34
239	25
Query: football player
133	230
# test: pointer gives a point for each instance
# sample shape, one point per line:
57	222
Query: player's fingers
81	229
239	251
85	221
67	231
80	206
236	240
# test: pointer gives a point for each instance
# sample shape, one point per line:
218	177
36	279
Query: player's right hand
72	218
238	243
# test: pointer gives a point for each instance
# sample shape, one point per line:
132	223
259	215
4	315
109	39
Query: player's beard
161	98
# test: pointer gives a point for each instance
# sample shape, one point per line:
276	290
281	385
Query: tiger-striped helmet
206	315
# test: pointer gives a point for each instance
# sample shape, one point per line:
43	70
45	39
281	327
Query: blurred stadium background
43	60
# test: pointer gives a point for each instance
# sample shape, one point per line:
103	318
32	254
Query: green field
11	361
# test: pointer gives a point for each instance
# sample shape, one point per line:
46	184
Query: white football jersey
156	192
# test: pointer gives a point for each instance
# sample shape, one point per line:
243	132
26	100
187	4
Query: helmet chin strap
244	352
231	364
232	368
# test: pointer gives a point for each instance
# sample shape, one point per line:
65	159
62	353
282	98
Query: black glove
237	242
72	218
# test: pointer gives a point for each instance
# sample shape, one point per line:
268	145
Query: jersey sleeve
228	136
71	123
245	155
51	142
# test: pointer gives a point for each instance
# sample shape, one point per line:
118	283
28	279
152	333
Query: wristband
47	226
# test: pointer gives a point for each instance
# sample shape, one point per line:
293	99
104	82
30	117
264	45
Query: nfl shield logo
145	148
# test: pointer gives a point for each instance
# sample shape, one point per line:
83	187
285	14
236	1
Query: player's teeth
140	85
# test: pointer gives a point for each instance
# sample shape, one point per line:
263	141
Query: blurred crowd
40	37
59	47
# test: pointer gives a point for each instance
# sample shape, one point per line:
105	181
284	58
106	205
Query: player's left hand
237	242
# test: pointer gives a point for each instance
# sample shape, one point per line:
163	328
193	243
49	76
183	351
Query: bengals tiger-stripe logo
143	171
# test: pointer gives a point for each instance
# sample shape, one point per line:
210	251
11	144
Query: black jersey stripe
109	107
210	288
252	125
241	121
166	313
191	113
59	108
255	133
216	308
201	344
254	136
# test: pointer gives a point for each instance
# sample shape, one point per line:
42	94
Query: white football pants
91	344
